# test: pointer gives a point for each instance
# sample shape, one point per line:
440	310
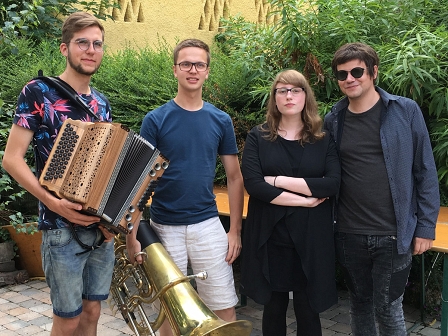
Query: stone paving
25	309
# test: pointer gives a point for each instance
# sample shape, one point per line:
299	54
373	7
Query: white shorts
205	245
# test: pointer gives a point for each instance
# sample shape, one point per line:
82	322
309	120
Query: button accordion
107	168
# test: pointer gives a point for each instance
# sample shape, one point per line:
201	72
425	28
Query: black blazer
311	228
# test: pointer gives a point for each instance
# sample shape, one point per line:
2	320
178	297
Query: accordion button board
107	168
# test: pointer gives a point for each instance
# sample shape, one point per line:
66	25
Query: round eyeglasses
295	91
84	44
357	72
187	66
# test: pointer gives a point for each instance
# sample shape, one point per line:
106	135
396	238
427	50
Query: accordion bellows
107	168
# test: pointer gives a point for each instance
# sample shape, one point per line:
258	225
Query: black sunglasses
355	72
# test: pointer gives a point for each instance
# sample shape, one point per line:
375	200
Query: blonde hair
312	122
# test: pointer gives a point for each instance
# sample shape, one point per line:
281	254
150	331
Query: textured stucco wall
141	23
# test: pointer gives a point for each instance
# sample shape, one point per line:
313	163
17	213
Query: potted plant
9	275
18	210
7	253
11	263
18	225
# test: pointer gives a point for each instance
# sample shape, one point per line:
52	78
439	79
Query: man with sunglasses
389	198
191	133
79	278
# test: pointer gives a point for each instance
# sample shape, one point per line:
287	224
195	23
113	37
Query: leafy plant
417	66
440	140
41	20
136	82
10	192
4	235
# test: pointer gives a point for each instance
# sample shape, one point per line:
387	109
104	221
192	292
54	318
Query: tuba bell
159	278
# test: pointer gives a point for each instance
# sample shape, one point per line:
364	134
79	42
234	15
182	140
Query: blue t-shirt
191	140
42	109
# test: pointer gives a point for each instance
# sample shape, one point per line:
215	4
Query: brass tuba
158	278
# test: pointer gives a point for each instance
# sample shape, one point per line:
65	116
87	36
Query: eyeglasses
187	66
357	72
295	91
84	44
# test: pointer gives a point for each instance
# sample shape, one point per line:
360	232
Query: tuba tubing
186	312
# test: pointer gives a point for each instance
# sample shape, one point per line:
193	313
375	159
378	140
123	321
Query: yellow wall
140	23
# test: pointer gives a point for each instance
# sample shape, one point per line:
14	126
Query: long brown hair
312	122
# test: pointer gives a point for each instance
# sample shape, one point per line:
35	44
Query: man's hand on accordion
70	211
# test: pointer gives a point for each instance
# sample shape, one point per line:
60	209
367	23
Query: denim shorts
205	245
73	278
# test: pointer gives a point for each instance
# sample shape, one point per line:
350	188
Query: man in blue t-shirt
78	278
191	133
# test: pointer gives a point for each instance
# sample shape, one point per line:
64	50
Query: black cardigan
311	228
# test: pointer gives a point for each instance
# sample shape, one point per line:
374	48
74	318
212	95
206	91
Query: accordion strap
86	247
68	92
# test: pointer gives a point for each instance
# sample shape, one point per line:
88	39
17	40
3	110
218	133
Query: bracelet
274	180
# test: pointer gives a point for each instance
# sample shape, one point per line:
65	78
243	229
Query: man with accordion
77	253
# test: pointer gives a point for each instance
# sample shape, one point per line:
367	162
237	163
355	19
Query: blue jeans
73	278
376	276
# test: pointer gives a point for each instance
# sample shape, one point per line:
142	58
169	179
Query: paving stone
342	318
30	330
329	314
16	325
28	316
7	319
47	326
9	333
39	307
104	330
341	328
39	284
104	319
41	321
326	323
26	310
42	333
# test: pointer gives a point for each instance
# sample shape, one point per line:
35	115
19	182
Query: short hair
191	43
76	22
312	122
356	51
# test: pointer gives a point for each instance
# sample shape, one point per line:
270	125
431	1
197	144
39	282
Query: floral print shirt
42	109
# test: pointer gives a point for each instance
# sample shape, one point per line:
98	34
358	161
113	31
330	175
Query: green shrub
41	20
136	82
13	209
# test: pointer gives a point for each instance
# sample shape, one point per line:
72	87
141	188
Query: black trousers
274	313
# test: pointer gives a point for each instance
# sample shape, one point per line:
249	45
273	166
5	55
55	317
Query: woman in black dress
291	171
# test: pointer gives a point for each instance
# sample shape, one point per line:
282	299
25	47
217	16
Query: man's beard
79	68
